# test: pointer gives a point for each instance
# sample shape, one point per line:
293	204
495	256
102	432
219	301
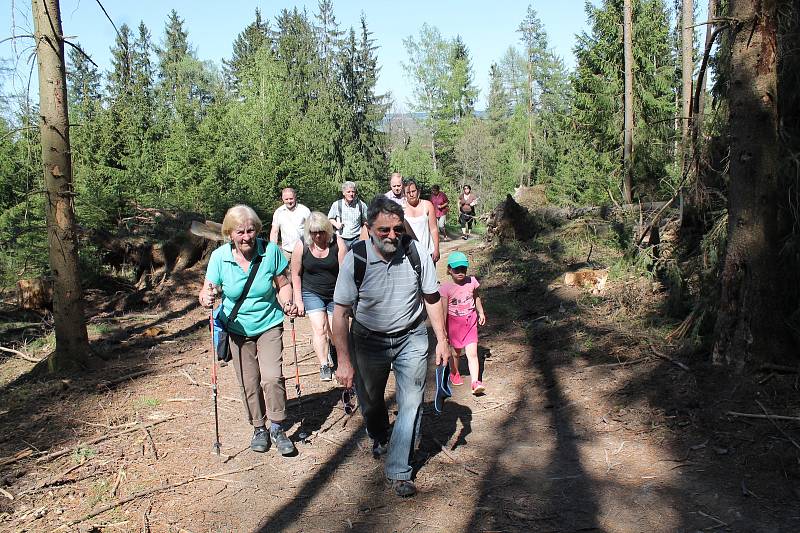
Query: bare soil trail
584	427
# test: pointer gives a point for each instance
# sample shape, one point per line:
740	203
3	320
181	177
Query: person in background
315	266
466	206
395	193
255	336
419	214
288	221
440	203
349	215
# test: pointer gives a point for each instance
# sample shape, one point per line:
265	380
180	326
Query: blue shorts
315	303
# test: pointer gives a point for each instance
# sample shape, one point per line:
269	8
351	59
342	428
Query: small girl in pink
463	313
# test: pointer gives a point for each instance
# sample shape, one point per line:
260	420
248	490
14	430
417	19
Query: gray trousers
258	362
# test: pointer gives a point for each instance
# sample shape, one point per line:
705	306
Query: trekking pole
217	444
296	368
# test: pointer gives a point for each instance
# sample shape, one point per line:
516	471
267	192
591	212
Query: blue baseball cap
457	259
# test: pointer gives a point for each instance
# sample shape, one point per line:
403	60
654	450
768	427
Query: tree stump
35	294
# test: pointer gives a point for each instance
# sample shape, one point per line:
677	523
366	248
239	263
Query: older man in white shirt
288	222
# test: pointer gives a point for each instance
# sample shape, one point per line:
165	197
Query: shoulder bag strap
247	285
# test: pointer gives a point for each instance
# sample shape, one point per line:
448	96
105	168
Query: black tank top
319	275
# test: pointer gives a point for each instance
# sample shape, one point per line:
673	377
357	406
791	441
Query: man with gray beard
389	304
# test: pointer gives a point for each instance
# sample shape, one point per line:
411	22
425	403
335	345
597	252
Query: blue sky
487	27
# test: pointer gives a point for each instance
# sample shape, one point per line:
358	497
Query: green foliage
598	84
83	453
296	106
414	161
23	241
148	401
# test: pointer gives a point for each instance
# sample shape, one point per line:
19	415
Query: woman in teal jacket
255	335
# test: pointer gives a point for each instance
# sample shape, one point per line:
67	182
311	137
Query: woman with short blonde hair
315	266
255	335
238	215
315	223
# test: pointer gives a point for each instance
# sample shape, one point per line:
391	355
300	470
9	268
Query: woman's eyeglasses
349	401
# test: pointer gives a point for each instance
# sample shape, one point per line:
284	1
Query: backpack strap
359	262
339	207
360	259
413	256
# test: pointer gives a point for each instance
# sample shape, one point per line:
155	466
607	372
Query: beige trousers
258	363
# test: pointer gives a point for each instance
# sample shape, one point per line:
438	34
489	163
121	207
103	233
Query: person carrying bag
257	295
221	321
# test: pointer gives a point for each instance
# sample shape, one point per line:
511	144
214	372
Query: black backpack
360	259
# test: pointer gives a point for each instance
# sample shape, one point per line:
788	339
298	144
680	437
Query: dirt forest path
575	433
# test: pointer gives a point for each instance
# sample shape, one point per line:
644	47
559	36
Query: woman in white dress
420	215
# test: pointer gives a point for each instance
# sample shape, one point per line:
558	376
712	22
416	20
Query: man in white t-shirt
288	222
396	193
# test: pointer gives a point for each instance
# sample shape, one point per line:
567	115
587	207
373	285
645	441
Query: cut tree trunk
35	294
72	344
753	307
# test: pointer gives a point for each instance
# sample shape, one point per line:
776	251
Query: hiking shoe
464	237
281	441
402	487
379	448
325	373
456	379
260	441
478	388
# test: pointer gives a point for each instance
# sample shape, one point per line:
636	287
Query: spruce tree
252	39
598	87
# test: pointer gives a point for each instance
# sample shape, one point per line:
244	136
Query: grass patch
100	329
98	492
40	344
146	401
81	454
589	300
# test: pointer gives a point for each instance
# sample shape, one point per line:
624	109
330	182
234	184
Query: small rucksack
360	259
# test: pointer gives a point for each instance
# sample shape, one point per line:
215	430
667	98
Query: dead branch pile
511	221
527	213
154	242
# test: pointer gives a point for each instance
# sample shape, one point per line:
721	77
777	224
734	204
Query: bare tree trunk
687	71
752	309
627	147
433	150
529	163
698	108
72	344
701	100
